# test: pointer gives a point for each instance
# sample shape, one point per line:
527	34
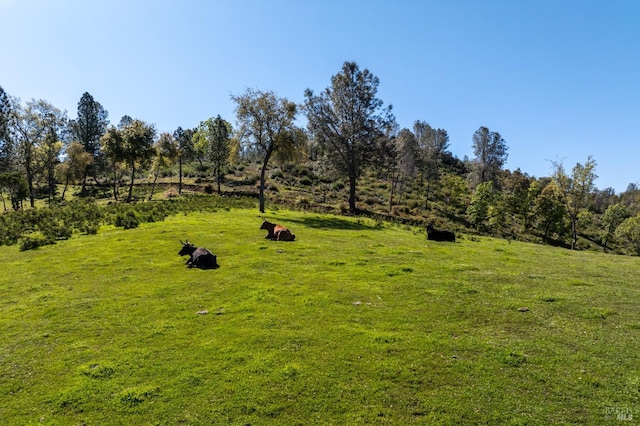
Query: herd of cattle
200	257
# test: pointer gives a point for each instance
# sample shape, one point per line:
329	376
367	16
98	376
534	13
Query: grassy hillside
356	322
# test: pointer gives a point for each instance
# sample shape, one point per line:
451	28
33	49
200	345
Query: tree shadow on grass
334	223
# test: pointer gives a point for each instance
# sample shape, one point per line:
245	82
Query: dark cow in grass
277	232
199	257
439	235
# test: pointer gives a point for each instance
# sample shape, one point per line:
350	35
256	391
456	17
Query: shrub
127	220
34	240
306	181
90	228
171	193
303	203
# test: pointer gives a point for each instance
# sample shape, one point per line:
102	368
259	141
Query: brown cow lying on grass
277	232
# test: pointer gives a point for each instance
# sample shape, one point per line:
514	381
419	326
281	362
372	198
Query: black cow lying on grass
439	235
199	257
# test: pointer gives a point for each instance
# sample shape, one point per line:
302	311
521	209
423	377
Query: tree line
350	136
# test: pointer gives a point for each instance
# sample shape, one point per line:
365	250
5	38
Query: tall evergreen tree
213	137
87	129
346	119
6	142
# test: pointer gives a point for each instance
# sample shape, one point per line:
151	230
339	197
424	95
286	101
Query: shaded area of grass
356	322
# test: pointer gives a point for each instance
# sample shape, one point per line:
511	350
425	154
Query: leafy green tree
490	151
137	148
72	170
500	211
167	153
31	124
630	198
611	219
112	143
519	194
186	151
88	127
406	157
455	190
14	184
213	137
346	119
433	144
267	125
629	231
550	211
132	143
478	210
528	204
47	158
576	190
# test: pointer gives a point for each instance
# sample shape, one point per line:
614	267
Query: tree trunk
133	175
180	174
66	185
218	176
32	198
428	194
574	233
352	192
52	186
262	180
115	181
155	179
84	181
395	180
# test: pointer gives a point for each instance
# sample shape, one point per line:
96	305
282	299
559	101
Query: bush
90	229
306	181
338	186
303	203
127	220
171	193
35	240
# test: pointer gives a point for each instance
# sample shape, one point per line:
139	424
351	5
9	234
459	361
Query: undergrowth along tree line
32	228
352	158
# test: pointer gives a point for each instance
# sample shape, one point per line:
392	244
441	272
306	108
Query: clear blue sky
558	79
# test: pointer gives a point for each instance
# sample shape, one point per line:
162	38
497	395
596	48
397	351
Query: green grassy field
356	322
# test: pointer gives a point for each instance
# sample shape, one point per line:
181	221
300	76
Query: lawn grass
356	322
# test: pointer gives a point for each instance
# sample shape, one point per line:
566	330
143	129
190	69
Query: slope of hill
356	322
